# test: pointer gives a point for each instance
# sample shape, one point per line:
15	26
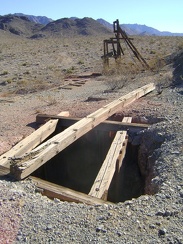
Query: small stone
101	218
49	227
19	238
160	213
100	228
151	226
175	152
181	193
129	213
56	200
119	233
167	213
162	232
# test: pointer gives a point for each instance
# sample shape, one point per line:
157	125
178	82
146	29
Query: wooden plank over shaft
31	141
107	125
103	180
30	162
52	190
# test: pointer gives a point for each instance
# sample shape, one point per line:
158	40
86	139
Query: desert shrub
24	64
115	83
157	63
70	70
4	72
80	62
152	52
180	46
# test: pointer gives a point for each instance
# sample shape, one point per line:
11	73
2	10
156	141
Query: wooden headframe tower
117	51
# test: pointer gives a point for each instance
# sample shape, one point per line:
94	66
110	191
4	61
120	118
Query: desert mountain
38	26
43	20
110	27
75	26
136	29
146	30
19	25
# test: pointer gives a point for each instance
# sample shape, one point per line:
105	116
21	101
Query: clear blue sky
164	15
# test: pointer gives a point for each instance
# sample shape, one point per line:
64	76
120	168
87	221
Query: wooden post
25	165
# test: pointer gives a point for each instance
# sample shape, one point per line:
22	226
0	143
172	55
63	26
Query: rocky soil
154	217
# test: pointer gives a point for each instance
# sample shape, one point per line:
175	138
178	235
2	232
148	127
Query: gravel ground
155	217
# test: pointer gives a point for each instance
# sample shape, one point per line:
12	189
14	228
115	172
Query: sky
164	15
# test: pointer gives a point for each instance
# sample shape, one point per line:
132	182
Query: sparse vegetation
42	63
4	72
116	83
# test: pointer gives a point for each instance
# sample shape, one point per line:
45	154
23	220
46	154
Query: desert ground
33	73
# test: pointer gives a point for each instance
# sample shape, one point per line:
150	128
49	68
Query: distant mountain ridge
39	26
75	26
19	25
136	29
36	19
146	30
67	27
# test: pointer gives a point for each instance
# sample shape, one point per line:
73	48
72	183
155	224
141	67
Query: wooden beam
103	180
31	141
107	125
24	166
4	171
123	149
52	191
105	175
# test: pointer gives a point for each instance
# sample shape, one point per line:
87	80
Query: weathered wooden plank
37	157
103	180
105	175
31	141
52	190
123	150
107	125
121	155
119	163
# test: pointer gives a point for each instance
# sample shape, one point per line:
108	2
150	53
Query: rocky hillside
75	26
43	20
18	25
21	25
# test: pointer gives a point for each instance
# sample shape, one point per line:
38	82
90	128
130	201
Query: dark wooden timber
52	191
120	35
107	125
